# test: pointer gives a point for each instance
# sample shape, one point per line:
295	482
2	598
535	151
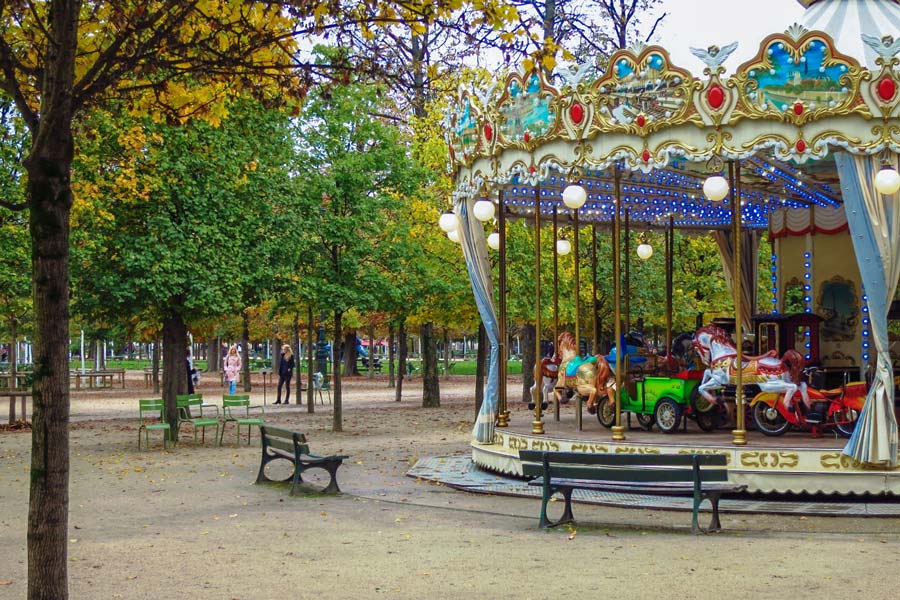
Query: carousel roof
779	118
847	21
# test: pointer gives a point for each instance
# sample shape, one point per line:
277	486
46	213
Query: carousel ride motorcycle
811	409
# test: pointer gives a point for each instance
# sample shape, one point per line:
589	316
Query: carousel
799	144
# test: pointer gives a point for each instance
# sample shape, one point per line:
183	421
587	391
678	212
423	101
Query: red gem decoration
715	95
798	109
646	155
576	112
527	136
641	120
532	169
801	146
488	131
887	87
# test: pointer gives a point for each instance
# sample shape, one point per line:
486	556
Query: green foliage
192	218
15	240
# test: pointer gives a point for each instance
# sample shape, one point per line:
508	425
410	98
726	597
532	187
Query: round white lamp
887	181
483	210
715	188
453	235
493	241
574	196
563	246
448	222
644	251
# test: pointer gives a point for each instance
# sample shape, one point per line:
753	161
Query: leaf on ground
6	581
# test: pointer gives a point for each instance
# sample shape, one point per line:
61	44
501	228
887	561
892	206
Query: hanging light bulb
483	210
563	246
887	181
493	240
715	188
574	196
448	222
453	235
644	250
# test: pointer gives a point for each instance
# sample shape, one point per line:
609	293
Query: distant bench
704	476
97	379
278	443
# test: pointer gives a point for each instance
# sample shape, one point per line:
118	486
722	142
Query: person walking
232	368
285	373
191	371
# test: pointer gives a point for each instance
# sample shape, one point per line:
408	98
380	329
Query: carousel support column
555	299
537	426
734	174
618	432
502	407
595	335
670	272
627	255
577	284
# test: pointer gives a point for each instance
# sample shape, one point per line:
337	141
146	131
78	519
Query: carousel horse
549	376
589	377
718	353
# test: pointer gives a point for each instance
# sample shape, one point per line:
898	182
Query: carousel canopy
780	118
851	23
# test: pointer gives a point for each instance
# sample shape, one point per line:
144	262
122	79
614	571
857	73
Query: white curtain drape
874	222
471	238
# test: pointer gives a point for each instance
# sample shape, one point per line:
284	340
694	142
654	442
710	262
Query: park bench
187	405
96	379
278	443
703	476
236	409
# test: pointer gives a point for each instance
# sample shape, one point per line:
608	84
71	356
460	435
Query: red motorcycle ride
838	408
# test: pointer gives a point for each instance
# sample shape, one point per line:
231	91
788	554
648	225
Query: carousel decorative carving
526	111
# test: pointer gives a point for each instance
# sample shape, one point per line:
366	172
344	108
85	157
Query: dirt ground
189	523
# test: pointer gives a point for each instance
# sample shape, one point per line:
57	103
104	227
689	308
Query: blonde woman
285	373
232	368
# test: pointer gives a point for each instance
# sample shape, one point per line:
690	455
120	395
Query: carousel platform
795	463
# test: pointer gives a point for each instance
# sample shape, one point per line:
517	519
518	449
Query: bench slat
660	489
583	458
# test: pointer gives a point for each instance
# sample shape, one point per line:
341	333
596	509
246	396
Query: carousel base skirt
795	463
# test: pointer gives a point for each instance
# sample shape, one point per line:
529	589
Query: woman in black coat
285	373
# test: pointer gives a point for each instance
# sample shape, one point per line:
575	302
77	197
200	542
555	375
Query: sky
702	23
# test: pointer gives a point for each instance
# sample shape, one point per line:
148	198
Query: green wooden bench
278	443
236	409
152	416
703	476
190	410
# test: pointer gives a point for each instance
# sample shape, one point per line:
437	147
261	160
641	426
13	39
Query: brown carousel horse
589	377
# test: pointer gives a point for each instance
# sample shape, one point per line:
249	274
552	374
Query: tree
356	172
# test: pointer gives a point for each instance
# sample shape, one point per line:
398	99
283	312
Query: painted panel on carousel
526	111
799	77
461	123
642	92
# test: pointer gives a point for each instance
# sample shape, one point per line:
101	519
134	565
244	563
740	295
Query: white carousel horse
549	376
771	374
590	377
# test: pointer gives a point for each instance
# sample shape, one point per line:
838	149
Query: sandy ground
189	523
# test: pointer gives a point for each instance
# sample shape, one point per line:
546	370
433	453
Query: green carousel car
664	401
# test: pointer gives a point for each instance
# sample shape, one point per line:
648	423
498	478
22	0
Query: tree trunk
480	361
245	343
401	360
13	369
49	197
295	342
446	342
371	363
337	424
350	354
390	353
157	348
212	354
310	356
431	387
174	371
528	358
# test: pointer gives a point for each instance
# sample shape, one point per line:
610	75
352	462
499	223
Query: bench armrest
214	406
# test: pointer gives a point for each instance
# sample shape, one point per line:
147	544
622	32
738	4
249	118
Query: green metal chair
236	409
152	415
189	403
